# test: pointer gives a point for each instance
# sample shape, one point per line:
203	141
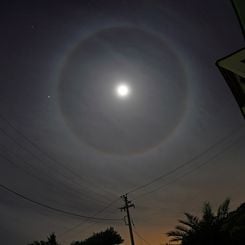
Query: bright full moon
122	90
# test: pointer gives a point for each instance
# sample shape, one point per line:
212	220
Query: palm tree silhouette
206	230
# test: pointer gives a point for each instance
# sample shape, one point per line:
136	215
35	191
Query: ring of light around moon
129	64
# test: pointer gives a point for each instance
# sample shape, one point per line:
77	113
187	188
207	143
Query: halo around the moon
144	111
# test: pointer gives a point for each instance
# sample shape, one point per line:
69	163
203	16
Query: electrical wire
54	208
131	191
49	181
64	188
184	164
22	169
28	151
137	233
183	175
47	156
70	180
77	226
95	214
38	148
188	172
140	236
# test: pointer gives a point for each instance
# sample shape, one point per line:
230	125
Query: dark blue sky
60	63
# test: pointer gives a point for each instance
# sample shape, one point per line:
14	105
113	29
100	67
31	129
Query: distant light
122	90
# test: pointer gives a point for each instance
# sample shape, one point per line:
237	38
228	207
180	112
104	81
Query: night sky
70	141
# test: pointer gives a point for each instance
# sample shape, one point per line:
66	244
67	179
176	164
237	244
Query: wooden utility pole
128	204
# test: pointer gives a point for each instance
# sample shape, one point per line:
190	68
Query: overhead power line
44	181
98	212
141	237
31	153
53	208
188	172
25	170
137	233
38	147
73	190
50	158
222	140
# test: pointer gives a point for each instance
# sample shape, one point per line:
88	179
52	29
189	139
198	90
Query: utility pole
128	204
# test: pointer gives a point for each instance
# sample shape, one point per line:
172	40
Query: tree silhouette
201	231
234	227
51	241
107	237
211	229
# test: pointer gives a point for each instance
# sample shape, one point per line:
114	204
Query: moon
122	90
